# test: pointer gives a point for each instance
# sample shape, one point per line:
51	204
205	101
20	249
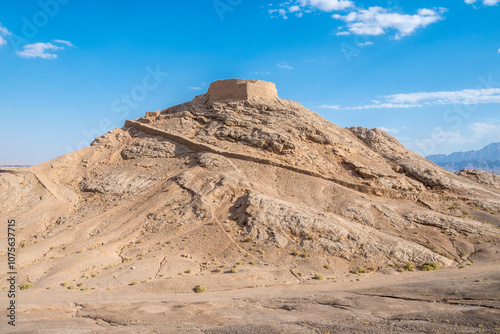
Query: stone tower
238	89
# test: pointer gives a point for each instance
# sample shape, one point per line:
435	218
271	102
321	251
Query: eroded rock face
150	148
278	222
479	176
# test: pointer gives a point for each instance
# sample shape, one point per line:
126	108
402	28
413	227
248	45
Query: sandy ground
445	301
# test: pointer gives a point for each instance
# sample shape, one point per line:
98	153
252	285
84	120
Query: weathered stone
237	89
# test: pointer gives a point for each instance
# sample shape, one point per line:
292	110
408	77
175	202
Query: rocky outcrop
279	223
479	176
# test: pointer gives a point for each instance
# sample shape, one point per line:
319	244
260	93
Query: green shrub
199	289
430	266
360	270
233	270
25	286
327	266
294	253
135	283
408	266
318	277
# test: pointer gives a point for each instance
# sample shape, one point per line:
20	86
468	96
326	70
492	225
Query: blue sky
426	71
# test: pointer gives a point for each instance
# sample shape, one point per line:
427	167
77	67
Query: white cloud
195	88
499	51
284	65
485	130
376	21
60	41
299	7
3	32
421	99
39	50
328	5
365	44
359	21
485	2
262	73
325	106
449	138
441	137
466	96
282	13
384	106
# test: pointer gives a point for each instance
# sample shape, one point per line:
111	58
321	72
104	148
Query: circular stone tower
239	89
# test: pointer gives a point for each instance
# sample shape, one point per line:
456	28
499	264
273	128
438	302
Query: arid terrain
290	223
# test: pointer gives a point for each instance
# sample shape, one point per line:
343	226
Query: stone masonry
238	89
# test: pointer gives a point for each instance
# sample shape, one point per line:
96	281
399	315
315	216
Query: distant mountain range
14	166
486	159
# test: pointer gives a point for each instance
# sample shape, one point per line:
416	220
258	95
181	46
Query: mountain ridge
490	152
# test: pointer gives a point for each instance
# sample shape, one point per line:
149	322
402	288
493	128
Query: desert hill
240	189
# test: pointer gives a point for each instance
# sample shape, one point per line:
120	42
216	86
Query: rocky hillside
256	186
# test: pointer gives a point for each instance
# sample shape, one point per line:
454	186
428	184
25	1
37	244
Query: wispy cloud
374	106
39	50
262	73
199	87
373	21
328	5
485	2
284	65
362	44
376	21
326	106
3	32
466	96
473	133
43	50
300	7
280	12
422	99
489	130
60	41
